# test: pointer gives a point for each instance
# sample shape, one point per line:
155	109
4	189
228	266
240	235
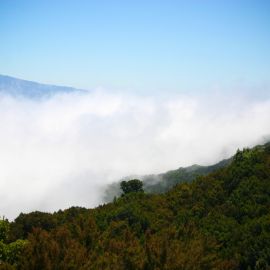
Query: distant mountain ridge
163	182
18	87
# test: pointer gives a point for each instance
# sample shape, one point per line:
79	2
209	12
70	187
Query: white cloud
61	151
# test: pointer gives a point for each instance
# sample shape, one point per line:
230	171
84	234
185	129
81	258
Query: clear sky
141	46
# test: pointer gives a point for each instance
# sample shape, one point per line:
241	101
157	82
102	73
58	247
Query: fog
63	150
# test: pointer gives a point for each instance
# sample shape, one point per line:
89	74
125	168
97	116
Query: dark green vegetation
134	185
218	221
9	251
163	182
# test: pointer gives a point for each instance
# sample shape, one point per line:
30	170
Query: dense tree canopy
9	251
133	185
219	221
161	183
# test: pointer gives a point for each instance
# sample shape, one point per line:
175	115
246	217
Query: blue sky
138	46
196	83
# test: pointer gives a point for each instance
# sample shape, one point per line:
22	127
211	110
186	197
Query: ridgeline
218	221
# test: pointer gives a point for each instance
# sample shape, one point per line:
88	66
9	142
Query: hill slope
17	87
163	182
219	221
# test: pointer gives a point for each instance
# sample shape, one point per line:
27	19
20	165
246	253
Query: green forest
163	182
219	220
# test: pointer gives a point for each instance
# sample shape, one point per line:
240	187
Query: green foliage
9	252
4	229
218	221
133	185
162	183
25	223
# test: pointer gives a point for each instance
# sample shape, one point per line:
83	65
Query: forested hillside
159	183
218	221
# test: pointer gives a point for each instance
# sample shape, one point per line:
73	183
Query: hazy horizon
169	84
140	47
64	149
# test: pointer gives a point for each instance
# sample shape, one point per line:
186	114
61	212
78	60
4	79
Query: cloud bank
63	150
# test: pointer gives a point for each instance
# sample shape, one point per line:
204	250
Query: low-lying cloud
63	150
